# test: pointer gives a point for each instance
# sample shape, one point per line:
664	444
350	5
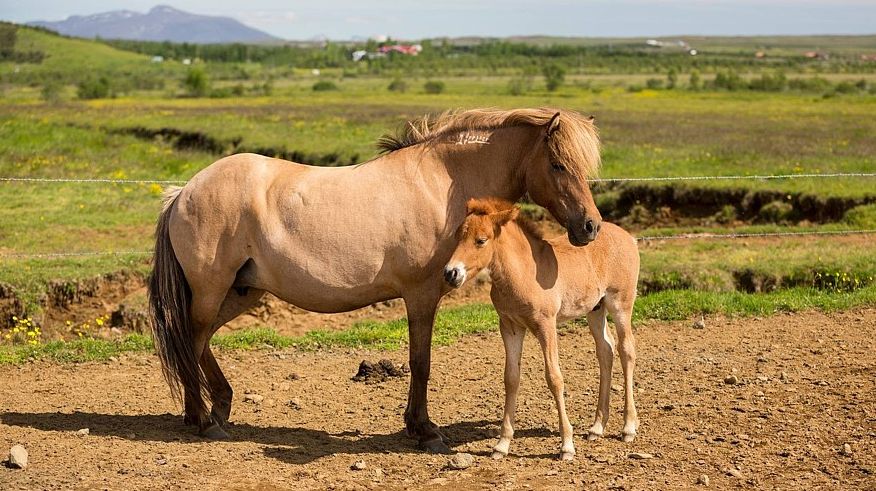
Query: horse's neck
517	251
494	168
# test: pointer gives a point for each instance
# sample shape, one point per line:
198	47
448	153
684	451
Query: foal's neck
517	249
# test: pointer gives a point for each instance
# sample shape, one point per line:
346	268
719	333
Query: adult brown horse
337	239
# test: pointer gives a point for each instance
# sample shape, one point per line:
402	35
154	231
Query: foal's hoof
593	436
567	456
435	445
214	432
628	437
497	455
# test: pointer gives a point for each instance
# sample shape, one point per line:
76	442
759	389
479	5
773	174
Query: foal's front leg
605	355
547	337
512	337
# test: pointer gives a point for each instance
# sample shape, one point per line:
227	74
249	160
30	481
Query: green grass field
645	133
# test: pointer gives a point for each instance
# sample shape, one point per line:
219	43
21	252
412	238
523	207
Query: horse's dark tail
170	301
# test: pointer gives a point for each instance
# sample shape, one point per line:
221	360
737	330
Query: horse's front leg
421	317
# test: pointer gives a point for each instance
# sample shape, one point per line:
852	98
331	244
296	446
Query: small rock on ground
703	479
847	449
83	432
731	380
253	398
461	461
735	473
17	457
640	455
700	323
359	465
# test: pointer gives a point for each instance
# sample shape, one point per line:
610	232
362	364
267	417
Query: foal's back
608	266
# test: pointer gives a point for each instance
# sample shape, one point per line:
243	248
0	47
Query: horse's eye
558	167
480	241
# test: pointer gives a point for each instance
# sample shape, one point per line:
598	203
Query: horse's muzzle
583	231
454	276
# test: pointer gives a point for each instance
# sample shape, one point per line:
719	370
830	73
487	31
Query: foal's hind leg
622	312
605	355
512	338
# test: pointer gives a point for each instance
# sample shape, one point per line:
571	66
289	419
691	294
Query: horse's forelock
575	144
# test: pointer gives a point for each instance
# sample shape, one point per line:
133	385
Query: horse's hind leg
207	298
237	301
605	355
622	312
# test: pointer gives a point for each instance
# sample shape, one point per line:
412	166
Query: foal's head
557	174
474	249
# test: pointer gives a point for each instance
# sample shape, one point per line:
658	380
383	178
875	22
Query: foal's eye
558	167
480	241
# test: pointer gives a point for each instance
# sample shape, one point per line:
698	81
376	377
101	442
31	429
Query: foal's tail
170	301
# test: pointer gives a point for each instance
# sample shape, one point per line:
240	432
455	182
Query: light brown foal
537	283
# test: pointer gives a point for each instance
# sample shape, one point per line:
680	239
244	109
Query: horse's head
476	237
557	173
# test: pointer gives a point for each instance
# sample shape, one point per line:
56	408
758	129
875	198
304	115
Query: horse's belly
322	283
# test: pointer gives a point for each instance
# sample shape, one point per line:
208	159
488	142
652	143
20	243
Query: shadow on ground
290	445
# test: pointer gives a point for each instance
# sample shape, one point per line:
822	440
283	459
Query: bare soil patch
802	414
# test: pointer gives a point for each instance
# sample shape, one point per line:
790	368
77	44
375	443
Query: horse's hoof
497	455
593	436
220	419
214	432
435	445
567	456
629	437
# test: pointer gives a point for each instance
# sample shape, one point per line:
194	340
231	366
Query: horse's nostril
588	226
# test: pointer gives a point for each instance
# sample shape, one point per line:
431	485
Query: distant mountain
162	23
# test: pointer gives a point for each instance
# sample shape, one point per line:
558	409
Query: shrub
696	82
671	79
776	211
729	80
324	85
654	83
197	83
94	88
434	87
519	85
398	85
51	91
726	215
554	76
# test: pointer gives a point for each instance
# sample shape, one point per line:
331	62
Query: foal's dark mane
575	143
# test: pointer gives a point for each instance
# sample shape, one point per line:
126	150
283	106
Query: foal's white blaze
460	269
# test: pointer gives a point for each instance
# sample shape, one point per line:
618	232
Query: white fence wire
833	175
653	238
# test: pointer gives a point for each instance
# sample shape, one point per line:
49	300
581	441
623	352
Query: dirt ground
806	388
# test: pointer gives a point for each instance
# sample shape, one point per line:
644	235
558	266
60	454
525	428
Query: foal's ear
553	125
502	217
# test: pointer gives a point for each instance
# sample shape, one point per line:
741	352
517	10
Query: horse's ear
553	125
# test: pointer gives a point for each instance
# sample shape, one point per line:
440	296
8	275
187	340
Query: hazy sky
344	19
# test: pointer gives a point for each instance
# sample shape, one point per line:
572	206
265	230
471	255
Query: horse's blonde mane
575	143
